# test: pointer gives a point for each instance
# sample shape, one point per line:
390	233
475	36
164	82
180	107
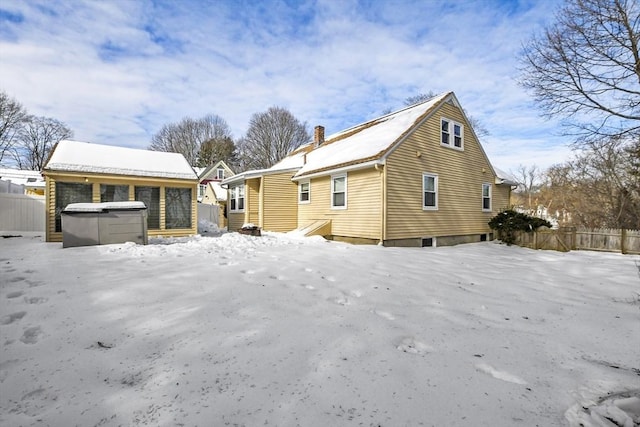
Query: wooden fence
572	238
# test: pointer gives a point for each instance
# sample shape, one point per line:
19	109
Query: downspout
261	203
383	213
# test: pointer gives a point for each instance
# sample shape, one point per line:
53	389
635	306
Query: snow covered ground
228	329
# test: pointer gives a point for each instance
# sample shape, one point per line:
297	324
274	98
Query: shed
82	172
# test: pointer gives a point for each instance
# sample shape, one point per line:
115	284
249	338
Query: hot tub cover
104	207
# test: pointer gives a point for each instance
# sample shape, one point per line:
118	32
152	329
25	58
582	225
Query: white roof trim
343	169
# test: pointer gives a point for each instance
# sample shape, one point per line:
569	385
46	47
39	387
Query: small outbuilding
81	172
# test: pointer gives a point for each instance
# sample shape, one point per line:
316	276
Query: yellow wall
52	177
460	178
363	216
252	197
279	202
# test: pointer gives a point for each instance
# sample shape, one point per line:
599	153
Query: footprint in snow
340	299
30	335
35	300
15	294
10	318
413	346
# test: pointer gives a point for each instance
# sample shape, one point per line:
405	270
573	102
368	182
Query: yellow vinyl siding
252	200
500	198
363	216
51	177
235	220
280	202
460	177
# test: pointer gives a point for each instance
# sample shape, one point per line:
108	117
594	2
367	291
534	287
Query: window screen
71	192
151	198
114	193
178	207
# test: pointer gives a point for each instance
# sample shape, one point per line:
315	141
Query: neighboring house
32	181
84	172
210	191
415	177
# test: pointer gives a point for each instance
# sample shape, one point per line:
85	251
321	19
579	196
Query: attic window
451	134
220	173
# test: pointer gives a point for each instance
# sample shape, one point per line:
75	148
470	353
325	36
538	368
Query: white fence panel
209	213
19	212
10	187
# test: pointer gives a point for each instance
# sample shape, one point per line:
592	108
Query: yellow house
210	192
79	172
266	198
415	177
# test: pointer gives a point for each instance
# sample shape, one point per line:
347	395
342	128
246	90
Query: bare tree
188	136
528	180
36	139
585	68
12	117
478	127
600	187
270	137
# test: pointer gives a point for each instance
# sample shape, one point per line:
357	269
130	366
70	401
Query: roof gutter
365	165
241	177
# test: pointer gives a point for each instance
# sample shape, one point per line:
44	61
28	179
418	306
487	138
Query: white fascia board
358	166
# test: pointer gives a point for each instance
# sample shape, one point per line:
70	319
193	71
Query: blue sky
116	71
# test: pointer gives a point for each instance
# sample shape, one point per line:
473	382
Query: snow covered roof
218	191
76	156
28	178
367	141
503	177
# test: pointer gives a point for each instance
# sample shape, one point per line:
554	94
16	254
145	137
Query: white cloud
116	71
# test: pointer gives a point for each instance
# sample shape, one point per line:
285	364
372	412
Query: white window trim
300	201
452	124
435	184
219	175
234	195
490	198
333	178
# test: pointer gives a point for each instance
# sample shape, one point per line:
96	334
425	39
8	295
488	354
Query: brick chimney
318	136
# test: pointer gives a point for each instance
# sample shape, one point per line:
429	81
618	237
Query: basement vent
427	242
483	237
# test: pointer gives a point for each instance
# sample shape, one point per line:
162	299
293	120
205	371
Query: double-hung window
486	197
429	192
236	204
304	192
451	134
339	192
220	174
